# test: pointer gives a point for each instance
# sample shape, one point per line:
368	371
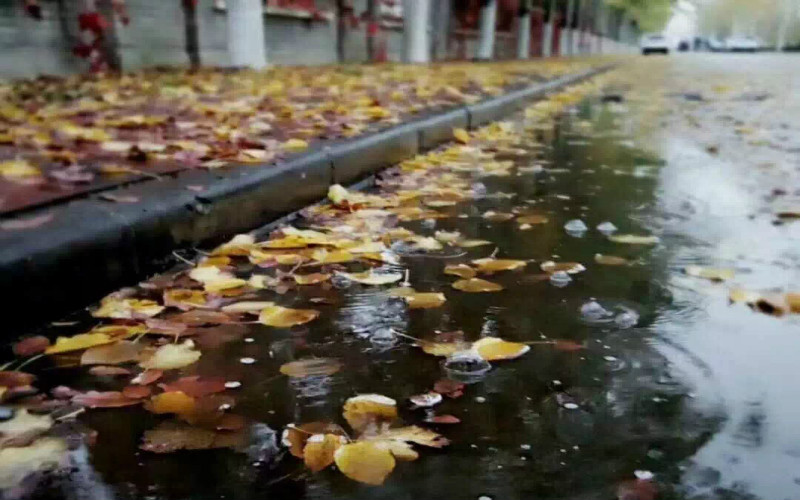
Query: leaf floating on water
449	388
126	308
252	306
443	419
18	462
185	299
372	278
196	386
416	435
496	349
710	273
109	399
611	260
284	317
30	346
171	436
176	402
472	243
78	342
320	450
365	461
111	354
23	424
429	300
311	279
476	285
568	346
567	267
532	219
365	410
312	367
295	436
634	239
493	216
460	270
426	400
172	356
491	266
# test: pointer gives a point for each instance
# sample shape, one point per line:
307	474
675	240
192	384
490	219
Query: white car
654	43
742	44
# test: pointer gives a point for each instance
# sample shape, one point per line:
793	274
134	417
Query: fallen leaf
472	243
172	356
568	346
449	388
78	342
491	266
109	399
185	299
460	270
426	300
461	135
30	346
284	317
23	424
126	308
367	410
248	307
476	285
416	435
109	371
111	354
532	219
147	377
611	260
496	349
311	367
13	379
443	419
195	386
295	145
171	402
365	461
172	436
710	273
372	278
320	450
295	436
119	198
493	216
311	279
551	267
136	391
634	239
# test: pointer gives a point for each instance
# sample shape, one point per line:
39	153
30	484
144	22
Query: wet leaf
568	346
295	436
496	349
368	410
416	435
611	260
165	327
320	449
460	270
324	256
171	402
426	400
171	436
567	267
443	349
126	308
172	356
284	317
634	239
109	371
637	489
185	299
22	425
491	266
195	386
17	224
372	278
13	379
311	279
199	317
365	461
443	419
427	300
78	342
449	388
710	273
30	346
254	307
476	285
147	377
111	354
472	243
136	391
311	367
532	219
461	135
109	399
493	216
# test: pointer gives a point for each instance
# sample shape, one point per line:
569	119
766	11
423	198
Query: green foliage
650	15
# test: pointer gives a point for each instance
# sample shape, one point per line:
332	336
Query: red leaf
26	223
15	379
165	326
31	345
200	317
136	391
449	388
637	489
109	371
147	377
443	419
230	422
196	386
568	346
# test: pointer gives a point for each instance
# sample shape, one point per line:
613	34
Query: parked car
715	44
654	43
742	44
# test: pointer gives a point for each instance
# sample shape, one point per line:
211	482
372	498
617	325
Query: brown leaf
568	346
295	436
147	377
109	371
136	391
443	419
172	436
31	345
111	354
11	379
110	399
311	367
200	317
196	386
165	326
449	388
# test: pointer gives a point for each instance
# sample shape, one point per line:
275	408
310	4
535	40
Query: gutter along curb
91	246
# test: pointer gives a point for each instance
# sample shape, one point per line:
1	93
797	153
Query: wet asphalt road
701	150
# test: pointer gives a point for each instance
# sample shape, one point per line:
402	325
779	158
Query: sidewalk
104	178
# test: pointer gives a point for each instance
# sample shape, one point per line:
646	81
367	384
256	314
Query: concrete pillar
488	21
524	34
547	32
416	42
246	43
568	31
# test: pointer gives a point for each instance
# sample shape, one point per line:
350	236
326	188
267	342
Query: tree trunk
524	33
416	15
488	20
372	29
191	33
342	12
568	26
110	42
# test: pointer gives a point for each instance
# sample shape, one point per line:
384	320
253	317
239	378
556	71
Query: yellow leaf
399	449
633	239
78	342
490	266
372	278
324	256
496	349
426	300
320	449
22	461
311	279
567	267
284	317
363	410
710	273
224	284
172	356
18	169
337	194
415	434
312	367
171	402
476	285
295	145
460	270
365	461
532	219
252	306
461	135
472	243
185	298
442	349
126	308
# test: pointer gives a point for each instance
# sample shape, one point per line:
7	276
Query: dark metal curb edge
92	246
